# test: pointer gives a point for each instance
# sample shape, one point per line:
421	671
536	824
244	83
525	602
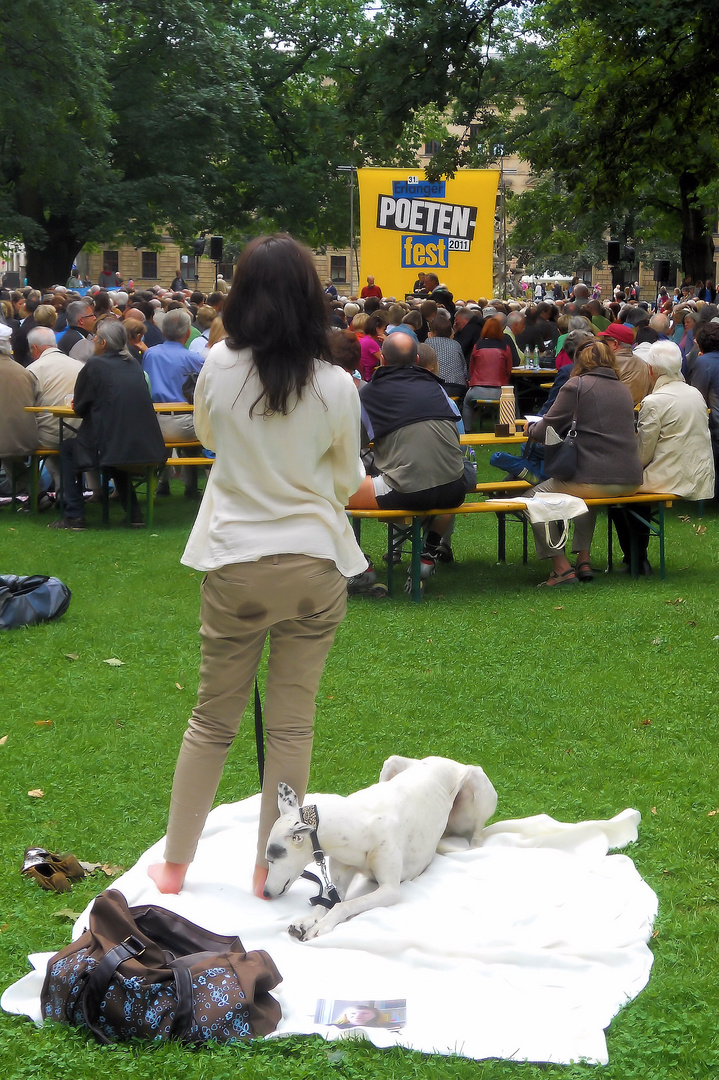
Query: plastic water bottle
527	357
535	365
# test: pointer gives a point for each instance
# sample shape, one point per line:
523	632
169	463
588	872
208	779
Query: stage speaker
216	248
198	247
613	254
661	271
629	254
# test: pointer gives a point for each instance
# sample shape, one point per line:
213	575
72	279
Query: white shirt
55	374
279	484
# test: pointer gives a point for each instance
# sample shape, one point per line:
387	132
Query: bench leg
501	537
525	531
105	489
34	482
390	560
150	500
660	523
416	559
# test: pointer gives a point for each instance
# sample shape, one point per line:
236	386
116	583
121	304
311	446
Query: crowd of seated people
640	353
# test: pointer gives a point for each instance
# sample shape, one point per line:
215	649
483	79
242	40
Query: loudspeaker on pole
216	248
613	252
661	270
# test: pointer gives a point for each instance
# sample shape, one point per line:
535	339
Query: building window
475	130
149	264
432	147
338	267
111	260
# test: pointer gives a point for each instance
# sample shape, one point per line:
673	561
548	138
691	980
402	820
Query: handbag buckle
133	945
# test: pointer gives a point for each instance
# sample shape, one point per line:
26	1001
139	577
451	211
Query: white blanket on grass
523	949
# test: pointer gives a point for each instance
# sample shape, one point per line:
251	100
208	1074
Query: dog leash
310	817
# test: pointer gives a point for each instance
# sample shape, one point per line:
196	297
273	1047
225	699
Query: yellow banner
408	224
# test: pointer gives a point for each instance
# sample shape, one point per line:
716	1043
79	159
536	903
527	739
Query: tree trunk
51	264
697	243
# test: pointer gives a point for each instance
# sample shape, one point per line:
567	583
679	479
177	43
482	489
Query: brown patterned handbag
147	973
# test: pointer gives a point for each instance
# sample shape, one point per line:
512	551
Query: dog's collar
310	816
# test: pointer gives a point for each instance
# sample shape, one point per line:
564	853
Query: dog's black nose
267	895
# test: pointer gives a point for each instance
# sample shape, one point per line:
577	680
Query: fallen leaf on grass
657	641
4	927
679	600
114	662
65	913
3	740
72	656
654	809
36	793
178	686
691	623
559	607
42	723
713	813
655	934
646	723
109	869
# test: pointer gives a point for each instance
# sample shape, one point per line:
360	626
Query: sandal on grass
50	871
555	579
584	571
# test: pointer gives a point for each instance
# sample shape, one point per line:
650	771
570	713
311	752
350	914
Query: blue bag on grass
33	599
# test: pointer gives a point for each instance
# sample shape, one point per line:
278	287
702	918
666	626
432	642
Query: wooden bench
406	526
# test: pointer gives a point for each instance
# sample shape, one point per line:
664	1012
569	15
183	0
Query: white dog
389	832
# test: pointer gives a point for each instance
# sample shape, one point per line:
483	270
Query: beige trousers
300	602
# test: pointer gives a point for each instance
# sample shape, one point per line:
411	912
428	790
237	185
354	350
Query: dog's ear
394	765
287	802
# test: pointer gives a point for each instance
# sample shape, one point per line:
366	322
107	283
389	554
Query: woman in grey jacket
608	460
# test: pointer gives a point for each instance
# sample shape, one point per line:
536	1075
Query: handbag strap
101	975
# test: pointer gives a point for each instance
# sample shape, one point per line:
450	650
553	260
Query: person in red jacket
371	289
490	367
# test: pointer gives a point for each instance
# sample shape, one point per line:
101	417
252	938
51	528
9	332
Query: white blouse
279	484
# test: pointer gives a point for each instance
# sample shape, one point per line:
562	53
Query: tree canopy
120	120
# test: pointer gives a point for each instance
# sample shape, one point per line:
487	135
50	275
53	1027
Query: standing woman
271	534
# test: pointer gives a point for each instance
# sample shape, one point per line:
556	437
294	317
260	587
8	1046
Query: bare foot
168	876
258	882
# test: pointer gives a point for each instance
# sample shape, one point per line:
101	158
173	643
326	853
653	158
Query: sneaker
135	521
444	552
362	582
396	556
427	565
76	524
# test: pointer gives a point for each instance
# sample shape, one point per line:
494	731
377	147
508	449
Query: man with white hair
55	374
167	366
674	446
119	428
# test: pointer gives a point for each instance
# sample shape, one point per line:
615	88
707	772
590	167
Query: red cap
620	332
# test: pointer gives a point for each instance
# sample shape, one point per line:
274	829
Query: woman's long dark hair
276	307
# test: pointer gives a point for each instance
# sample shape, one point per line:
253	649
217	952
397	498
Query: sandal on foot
584	571
555	579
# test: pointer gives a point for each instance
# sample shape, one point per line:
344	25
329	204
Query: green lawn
577	702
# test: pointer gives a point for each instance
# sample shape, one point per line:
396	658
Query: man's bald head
133	313
399	350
